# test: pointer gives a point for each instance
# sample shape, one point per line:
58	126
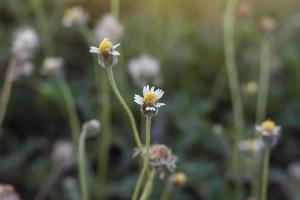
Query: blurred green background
186	37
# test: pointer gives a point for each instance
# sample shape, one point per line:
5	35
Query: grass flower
25	41
149	102
52	65
7	192
161	157
63	154
269	131
108	26
250	146
178	180
143	69
107	55
74	15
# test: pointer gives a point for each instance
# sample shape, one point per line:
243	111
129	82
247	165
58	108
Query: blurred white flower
7	192
23	69
143	69
249	88
251	146
294	170
25	40
149	102
218	129
109	27
107	55
75	15
52	65
63	154
269	131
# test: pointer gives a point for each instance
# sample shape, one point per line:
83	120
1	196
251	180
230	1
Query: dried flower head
23	69
63	154
143	69
25	42
161	157
251	146
149	102
7	192
74	15
52	65
108	26
107	55
269	131
178	180
267	24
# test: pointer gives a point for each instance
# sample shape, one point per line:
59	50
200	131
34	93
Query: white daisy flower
25	42
52	65
107	55
149	102
109	26
23	69
75	15
269	132
251	146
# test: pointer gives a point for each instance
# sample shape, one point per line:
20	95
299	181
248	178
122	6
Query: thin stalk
264	79
265	173
166	193
149	185
238	115
115	8
125	106
6	90
71	108
82	166
146	159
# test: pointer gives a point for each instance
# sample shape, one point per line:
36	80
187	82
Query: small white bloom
294	170
52	65
63	154
108	26
149	102
75	15
23	69
143	69
269	131
25	41
7	192
249	88
107	55
251	146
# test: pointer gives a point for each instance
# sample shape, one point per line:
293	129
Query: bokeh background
186	39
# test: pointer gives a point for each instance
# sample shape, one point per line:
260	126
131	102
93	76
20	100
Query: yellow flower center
70	14
150	98
105	45
268	125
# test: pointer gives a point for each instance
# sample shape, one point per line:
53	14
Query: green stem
6	90
238	115
71	108
82	166
115	8
146	159
149	185
264	183
125	106
264	79
166	193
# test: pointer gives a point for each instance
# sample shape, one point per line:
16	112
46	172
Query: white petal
138	99
159	93
116	45
94	50
158	105
145	89
115	53
150	108
152	89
